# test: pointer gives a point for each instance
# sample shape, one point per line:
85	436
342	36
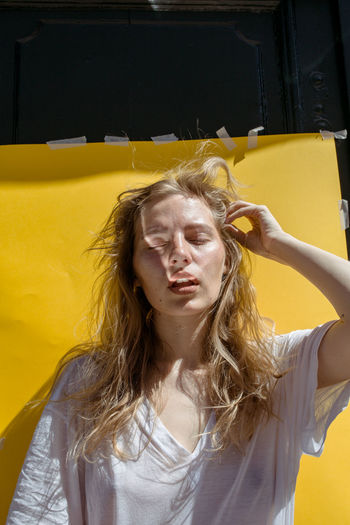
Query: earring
135	287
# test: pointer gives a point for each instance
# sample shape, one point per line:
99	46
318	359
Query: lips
183	280
183	284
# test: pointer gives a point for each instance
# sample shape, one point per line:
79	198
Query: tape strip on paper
67	143
253	137
343	206
164	139
225	138
116	141
342	134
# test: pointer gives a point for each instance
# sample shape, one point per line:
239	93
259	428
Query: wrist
280	246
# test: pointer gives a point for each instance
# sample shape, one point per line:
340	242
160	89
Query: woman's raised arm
330	273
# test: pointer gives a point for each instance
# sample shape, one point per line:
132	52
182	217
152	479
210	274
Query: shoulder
291	345
70	378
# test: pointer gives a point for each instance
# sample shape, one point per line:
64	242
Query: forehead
173	210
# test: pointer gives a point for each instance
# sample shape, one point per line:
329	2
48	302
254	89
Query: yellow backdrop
53	201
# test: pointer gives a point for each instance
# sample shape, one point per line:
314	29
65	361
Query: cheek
148	267
214	260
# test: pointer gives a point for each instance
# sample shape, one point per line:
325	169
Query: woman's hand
264	230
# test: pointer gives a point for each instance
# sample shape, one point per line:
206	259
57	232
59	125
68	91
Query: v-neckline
184	450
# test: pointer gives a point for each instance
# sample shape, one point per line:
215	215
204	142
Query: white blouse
169	485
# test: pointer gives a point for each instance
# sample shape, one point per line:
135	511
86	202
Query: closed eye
198	241
156	246
195	240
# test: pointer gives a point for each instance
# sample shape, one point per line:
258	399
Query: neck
182	339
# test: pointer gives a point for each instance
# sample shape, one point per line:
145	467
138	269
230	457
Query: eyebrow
159	228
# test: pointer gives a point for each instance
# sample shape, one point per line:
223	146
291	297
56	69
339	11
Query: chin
187	310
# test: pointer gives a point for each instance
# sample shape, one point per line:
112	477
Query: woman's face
179	256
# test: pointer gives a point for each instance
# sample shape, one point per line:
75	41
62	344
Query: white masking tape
67	143
343	206
253	137
342	134
164	139
225	138
116	141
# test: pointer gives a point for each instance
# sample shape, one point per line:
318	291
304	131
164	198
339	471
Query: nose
180	254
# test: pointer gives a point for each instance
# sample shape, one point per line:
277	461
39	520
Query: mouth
184	285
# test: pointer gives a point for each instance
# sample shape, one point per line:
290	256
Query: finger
238	204
238	234
248	210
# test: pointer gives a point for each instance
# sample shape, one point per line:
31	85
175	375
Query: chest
165	485
184	418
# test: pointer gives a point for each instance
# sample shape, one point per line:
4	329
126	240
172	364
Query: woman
184	407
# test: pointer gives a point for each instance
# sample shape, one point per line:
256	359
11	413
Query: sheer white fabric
169	485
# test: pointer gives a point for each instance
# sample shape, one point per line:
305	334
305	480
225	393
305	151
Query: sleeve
50	487
309	411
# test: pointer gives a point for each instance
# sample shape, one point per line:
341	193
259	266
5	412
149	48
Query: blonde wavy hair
242	370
